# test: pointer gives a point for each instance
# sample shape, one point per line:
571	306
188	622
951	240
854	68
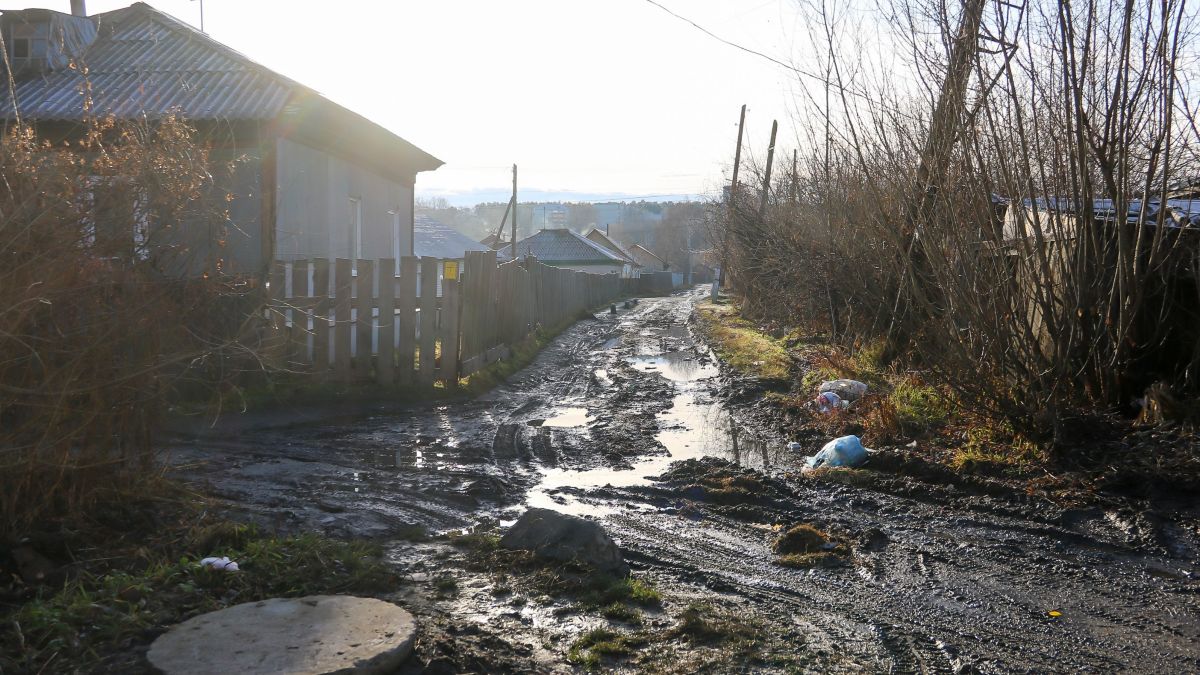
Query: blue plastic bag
845	451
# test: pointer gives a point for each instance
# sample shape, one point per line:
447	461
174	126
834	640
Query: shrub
99	319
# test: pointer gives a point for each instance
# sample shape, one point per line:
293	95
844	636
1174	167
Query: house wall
225	227
314	213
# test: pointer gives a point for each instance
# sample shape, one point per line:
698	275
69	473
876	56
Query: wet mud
629	419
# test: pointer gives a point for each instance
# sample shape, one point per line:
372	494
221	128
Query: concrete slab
318	634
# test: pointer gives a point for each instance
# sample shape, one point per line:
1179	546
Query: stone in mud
314	634
488	487
557	536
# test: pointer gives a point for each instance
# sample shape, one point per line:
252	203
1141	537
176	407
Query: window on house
354	232
117	221
27	41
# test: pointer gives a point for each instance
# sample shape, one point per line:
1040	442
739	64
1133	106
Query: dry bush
100	319
894	226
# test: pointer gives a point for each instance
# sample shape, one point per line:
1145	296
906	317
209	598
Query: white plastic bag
846	451
849	390
220	564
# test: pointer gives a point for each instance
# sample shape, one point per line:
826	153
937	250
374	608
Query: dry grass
741	345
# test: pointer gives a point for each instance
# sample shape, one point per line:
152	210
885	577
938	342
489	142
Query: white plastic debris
847	451
829	401
220	564
794	447
848	390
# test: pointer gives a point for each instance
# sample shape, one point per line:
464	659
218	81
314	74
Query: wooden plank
300	331
342	331
428	307
364	304
275	342
406	301
470	326
321	318
449	336
385	371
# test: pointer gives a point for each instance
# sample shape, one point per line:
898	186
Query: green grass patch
919	407
593	648
621	612
741	345
987	449
82	625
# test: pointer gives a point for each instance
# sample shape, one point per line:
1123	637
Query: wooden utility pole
766	189
514	214
737	162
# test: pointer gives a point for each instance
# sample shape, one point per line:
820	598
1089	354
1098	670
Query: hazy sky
600	96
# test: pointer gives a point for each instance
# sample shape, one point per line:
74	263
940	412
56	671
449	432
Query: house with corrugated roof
571	250
312	180
648	260
603	239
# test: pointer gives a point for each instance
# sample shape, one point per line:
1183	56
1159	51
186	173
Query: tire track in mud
937	599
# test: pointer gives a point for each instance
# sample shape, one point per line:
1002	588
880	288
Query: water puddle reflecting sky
693	427
569	417
681	366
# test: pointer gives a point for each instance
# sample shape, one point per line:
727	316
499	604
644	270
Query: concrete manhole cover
315	634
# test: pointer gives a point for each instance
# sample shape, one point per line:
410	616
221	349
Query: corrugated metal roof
562	245
145	62
436	239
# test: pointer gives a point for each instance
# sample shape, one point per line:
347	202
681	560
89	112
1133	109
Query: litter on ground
847	451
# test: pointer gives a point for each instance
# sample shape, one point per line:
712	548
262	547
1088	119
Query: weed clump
805	546
801	539
593	647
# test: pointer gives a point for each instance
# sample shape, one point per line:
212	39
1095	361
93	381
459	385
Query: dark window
20	48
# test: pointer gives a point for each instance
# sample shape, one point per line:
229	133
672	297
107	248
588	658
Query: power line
819	78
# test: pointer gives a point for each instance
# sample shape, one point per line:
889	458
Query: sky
589	97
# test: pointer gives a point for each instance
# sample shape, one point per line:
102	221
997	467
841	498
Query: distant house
648	260
602	239
315	179
435	239
569	249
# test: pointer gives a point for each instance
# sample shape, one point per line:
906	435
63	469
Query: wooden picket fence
330	320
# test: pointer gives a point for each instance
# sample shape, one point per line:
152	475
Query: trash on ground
223	563
795	447
847	451
827	402
848	390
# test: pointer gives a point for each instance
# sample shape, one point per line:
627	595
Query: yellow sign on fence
450	269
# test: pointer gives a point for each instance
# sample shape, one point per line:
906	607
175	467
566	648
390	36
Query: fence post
301	311
384	368
428	304
406	300
321	320
364	302
449	332
343	333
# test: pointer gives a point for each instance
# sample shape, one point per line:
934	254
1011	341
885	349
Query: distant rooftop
438	240
563	245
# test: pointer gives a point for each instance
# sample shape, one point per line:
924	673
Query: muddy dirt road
626	418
